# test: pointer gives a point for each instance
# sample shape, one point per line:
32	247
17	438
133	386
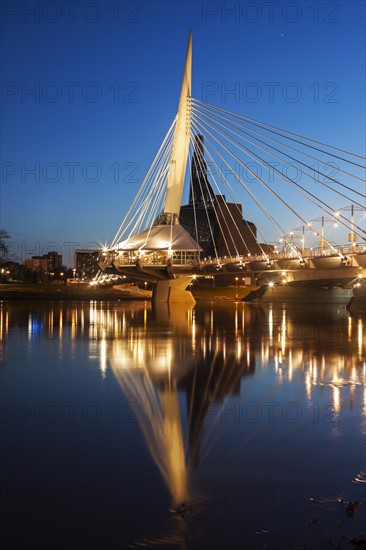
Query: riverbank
47	291
74	292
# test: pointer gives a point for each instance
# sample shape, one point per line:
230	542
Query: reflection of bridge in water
166	244
189	372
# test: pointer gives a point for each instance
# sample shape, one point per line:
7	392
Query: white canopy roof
160	237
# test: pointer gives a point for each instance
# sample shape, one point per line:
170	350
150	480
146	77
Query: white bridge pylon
165	242
182	136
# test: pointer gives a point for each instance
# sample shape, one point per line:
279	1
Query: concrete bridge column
173	291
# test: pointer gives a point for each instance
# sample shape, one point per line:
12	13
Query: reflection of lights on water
308	384
116	327
29	325
322	369
270	325
280	374
283	332
105	325
349	328
315	372
290	365
73	325
50	323
359	338
35	327
353	376
193	327
164	360
265	354
92	312
4	327
208	343
336	397
238	349
103	357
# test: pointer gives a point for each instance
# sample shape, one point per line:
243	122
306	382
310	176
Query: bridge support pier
173	291
357	303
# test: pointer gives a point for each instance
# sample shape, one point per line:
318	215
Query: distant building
86	262
50	262
54	261
211	220
36	263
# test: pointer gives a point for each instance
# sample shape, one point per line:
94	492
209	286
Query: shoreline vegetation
52	291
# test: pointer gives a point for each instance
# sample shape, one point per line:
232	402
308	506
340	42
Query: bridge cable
200	159
235	198
231	123
281	176
259	204
270	190
145	182
264	126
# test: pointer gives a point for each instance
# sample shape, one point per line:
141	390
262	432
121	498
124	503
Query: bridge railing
155	258
191	258
334	251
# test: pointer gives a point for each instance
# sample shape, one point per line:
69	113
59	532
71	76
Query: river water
219	426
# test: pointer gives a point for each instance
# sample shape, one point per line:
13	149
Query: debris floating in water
360	477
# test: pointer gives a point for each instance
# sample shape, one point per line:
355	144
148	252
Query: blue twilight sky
106	75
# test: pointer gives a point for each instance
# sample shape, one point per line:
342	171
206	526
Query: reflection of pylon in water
148	370
176	464
157	412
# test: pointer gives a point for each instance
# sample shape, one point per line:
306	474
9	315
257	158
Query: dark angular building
215	221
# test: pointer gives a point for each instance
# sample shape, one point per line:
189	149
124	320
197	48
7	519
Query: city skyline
88	96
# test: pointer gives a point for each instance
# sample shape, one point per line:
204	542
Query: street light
288	240
352	236
323	220
323	242
194	277
293	235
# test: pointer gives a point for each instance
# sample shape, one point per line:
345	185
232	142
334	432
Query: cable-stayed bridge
165	243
